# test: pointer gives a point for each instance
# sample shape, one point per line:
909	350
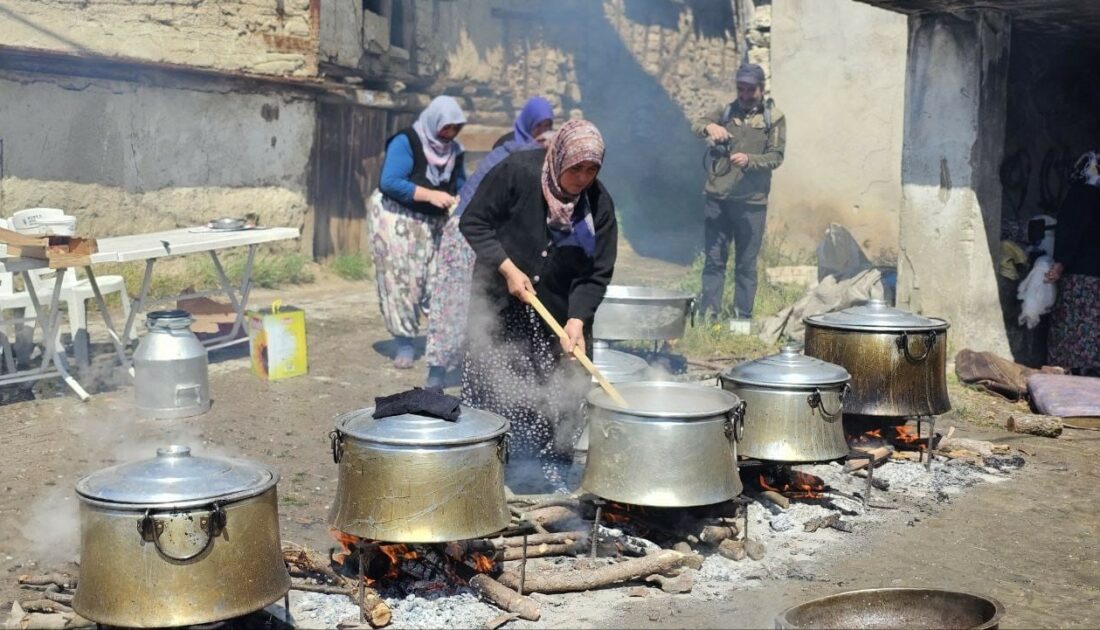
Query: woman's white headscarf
441	154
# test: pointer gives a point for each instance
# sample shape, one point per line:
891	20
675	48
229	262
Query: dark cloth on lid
422	402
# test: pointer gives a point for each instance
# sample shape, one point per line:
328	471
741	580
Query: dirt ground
1029	542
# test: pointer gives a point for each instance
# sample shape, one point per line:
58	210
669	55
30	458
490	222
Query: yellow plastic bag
277	341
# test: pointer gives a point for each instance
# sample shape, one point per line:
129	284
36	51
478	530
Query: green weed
352	266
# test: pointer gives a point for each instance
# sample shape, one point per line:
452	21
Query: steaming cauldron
178	540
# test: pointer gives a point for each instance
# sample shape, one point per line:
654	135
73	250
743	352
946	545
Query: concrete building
838	73
1000	98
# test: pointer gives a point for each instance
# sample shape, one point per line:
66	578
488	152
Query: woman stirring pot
541	223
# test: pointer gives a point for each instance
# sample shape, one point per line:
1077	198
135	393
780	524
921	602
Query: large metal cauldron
676	446
794	406
418	479
170	368
632	313
616	367
178	540
898	360
899	608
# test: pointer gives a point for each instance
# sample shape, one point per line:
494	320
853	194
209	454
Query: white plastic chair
18	302
76	292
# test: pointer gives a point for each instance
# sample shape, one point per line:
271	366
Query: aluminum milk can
171	377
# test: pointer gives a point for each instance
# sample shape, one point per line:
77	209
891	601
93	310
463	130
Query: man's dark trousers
741	224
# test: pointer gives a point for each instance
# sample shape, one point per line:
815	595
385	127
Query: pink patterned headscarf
575	142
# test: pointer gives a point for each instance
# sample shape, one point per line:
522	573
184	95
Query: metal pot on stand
418	479
676	446
794	405
898	360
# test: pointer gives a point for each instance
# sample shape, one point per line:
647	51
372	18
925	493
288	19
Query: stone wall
844	111
255	36
642	70
127	158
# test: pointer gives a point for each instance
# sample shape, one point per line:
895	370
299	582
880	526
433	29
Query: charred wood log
61	598
327	589
779	500
663	563
60	579
732	549
541	551
375	610
714	534
44	606
505	598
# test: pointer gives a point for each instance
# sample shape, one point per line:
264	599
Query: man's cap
750	73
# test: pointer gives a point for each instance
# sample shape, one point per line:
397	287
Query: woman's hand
1055	273
437	198
574	336
519	285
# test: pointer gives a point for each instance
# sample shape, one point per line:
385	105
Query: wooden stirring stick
577	352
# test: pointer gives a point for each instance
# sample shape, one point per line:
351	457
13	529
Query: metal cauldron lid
875	316
176	479
789	368
626	293
667	400
472	426
616	366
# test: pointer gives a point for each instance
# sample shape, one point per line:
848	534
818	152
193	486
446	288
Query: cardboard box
277	342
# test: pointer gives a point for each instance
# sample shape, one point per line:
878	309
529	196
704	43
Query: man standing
747	138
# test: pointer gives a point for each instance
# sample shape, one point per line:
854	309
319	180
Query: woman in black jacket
1075	325
542	223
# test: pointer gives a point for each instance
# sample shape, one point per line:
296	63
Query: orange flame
396	554
907	437
347	541
482	563
801	486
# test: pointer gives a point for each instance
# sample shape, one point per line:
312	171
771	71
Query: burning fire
482	563
799	485
907	437
396	554
347	541
898	435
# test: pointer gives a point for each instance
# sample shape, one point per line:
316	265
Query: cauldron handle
211	526
816	401
337	446
929	343
735	422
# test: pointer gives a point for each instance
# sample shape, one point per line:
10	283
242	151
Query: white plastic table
150	248
153	246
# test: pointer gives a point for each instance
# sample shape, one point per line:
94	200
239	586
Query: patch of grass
270	271
352	266
292	500
715	340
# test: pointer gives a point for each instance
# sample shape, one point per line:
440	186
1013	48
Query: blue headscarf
535	110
